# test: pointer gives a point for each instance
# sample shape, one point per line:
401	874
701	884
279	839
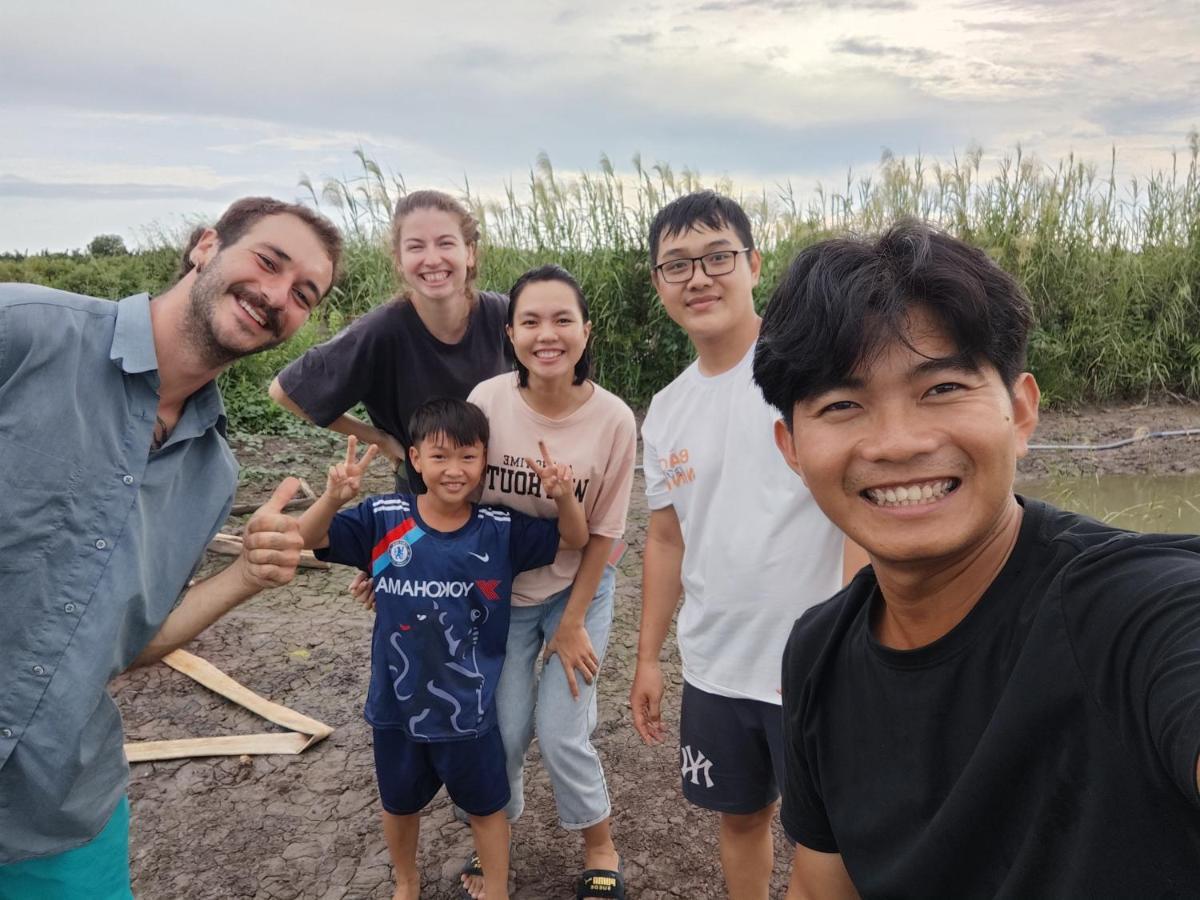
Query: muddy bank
306	826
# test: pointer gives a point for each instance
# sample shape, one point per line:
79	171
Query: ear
414	457
470	256
587	331
1025	398
755	267
206	248
787	446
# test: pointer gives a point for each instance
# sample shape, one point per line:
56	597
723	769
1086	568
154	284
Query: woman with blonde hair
438	338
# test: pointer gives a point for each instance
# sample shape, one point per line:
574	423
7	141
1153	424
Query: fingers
545	453
278	500
571	682
351	449
372	452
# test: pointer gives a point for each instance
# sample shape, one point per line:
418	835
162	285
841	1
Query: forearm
202	605
315	521
587	579
343	424
661	589
572	523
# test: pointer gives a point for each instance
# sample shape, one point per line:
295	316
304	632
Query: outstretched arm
270	553
345	424
342	484
662	585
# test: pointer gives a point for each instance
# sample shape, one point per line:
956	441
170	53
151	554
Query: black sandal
605	883
471	868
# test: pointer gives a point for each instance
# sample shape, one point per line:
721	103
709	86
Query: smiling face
257	292
548	332
914	456
708	307
432	256
450	471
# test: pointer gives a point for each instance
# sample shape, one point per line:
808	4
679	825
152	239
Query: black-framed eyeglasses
719	262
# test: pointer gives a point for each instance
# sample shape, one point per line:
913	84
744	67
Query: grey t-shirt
388	361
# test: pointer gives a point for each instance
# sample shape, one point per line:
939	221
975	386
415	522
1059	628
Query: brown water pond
1139	502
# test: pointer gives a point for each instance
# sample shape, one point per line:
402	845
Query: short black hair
707	208
461	422
550	272
843	301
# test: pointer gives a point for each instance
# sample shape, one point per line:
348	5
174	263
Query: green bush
1114	279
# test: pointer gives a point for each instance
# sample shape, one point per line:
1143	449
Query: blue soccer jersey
441	609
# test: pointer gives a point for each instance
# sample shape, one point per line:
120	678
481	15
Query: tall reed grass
1112	267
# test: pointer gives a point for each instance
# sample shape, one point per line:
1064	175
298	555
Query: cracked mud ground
306	826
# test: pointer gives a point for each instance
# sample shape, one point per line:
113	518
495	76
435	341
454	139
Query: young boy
758	550
442	568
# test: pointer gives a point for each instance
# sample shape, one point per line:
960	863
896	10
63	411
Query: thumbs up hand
272	543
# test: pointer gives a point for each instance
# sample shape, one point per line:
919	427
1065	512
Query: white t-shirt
598	441
757	549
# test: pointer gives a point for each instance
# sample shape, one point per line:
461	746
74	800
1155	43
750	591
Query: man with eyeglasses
733	530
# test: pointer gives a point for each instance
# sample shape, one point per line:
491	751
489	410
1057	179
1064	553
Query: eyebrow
307	282
959	362
679	251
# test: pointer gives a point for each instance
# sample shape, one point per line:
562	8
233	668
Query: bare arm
662	585
819	876
345	424
570	640
854	558
270	554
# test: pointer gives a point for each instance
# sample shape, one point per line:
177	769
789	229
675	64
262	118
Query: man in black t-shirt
1007	701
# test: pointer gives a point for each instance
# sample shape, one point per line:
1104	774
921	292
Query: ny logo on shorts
693	764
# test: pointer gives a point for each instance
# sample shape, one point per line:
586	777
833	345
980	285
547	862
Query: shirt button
5	732
38	670
101	543
70	607
128	479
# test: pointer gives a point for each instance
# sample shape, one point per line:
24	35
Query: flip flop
472	867
605	883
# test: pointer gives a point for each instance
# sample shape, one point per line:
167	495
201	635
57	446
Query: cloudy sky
119	116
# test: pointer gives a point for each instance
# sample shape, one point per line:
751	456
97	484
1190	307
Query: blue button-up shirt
98	538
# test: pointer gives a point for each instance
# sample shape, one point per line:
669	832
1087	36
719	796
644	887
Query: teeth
548	354
910	494
254	314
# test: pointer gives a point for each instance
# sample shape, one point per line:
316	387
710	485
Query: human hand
390	447
555	477
645	698
272	543
362	591
345	478
575	652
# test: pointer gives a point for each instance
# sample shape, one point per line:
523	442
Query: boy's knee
748	823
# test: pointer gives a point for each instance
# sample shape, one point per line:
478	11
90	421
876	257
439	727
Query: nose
700	279
897	432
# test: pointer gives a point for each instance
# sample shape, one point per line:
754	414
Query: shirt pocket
37	489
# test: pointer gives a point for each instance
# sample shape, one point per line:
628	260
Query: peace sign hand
345	478
555	477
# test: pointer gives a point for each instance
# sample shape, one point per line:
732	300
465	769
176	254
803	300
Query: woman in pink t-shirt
563	611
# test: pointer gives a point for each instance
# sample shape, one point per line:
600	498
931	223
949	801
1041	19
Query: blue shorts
99	870
411	772
731	751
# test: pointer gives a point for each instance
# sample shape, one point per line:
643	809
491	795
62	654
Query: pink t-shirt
598	441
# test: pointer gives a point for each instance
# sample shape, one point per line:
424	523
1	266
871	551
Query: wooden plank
304	731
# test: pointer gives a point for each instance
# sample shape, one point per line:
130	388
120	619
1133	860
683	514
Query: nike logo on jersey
482	557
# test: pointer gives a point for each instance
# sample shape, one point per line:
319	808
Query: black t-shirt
388	361
1045	747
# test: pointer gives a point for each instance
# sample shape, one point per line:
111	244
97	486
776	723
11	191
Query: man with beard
114	475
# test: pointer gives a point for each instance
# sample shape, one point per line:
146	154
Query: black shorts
411	772
731	751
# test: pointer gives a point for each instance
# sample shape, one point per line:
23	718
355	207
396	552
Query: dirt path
306	826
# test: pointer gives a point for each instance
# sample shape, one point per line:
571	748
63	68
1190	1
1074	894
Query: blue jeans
526	702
